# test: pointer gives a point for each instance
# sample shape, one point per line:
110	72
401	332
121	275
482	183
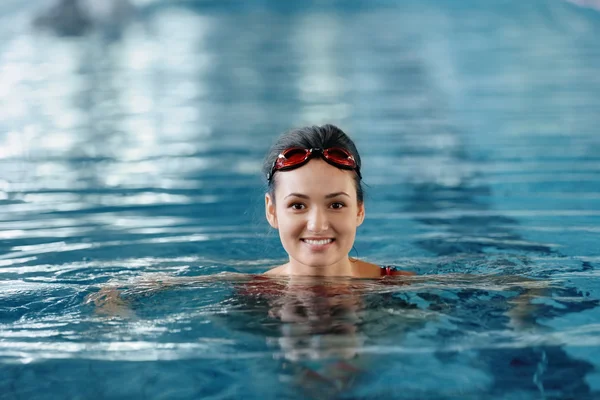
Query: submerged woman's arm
522	309
110	302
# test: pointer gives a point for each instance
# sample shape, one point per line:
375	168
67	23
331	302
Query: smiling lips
318	244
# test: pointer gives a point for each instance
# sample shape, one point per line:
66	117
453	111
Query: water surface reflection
140	153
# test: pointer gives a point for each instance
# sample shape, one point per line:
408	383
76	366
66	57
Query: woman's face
316	212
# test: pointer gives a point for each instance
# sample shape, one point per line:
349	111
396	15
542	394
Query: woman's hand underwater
108	302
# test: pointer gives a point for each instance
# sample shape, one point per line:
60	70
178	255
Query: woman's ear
270	211
360	215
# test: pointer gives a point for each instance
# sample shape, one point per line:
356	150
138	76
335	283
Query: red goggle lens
339	156
291	157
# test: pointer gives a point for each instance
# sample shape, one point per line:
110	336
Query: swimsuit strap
387	270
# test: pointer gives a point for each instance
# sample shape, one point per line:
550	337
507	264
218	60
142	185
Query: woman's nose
317	221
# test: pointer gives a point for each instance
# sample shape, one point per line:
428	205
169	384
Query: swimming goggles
295	157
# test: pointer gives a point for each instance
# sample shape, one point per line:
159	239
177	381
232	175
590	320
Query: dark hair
311	137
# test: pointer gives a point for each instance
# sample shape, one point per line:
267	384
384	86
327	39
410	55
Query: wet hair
310	137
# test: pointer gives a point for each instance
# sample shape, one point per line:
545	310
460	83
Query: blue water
133	151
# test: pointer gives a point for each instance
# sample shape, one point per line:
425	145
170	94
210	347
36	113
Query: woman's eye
337	205
297	206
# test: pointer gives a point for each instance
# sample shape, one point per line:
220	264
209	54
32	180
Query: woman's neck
341	268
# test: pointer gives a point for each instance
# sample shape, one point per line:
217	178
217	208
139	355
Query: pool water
130	152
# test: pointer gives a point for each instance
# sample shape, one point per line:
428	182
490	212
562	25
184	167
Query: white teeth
318	242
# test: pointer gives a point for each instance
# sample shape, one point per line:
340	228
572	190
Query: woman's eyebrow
336	194
302	196
328	196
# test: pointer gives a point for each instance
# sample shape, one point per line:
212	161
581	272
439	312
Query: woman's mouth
318	244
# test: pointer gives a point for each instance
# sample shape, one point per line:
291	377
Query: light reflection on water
123	155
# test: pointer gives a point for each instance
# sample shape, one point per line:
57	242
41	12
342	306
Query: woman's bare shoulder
363	269
277	271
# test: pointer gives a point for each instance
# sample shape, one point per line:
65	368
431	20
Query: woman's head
316	205
312	137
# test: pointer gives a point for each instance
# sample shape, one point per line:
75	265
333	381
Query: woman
315	201
321	318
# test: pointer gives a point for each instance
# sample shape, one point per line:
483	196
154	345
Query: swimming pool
138	152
